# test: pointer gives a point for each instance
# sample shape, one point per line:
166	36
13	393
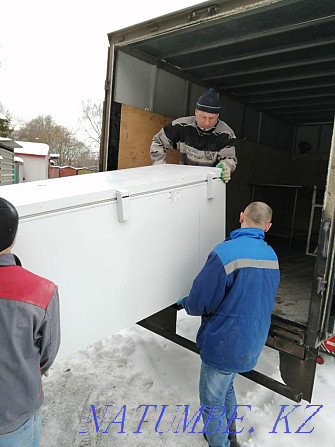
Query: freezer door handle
211	185
123	205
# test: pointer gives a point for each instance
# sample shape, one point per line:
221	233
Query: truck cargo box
271	63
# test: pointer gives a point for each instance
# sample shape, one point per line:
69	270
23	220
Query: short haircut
259	213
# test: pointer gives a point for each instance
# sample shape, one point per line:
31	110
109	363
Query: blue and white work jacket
234	293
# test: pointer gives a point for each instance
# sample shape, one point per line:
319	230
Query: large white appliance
121	245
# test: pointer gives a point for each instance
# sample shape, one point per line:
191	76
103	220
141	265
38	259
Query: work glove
178	305
225	173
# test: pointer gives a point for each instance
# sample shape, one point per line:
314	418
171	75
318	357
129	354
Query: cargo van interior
273	67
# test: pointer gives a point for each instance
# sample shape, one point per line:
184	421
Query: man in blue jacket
234	293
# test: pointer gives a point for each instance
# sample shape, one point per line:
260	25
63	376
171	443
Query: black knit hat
209	102
9	220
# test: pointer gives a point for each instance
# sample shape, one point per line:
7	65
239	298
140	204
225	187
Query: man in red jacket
30	338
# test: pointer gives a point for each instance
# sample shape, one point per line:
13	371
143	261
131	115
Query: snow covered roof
8	143
18	159
30	148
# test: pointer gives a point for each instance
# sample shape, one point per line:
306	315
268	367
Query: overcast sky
53	54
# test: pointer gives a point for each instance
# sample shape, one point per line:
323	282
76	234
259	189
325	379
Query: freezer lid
39	197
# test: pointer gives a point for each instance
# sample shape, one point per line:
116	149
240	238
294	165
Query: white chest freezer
120	245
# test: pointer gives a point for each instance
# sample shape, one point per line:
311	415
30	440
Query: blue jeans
28	435
217	393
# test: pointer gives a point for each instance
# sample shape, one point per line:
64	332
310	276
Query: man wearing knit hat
202	140
30	337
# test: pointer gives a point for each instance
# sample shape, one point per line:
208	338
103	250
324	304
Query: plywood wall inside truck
137	128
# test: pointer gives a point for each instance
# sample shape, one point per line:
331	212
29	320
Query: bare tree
92	122
62	141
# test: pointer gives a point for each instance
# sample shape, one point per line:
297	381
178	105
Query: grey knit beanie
208	102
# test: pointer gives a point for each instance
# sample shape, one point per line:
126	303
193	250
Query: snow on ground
125	373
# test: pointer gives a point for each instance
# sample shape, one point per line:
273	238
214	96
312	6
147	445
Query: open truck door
322	317
298	366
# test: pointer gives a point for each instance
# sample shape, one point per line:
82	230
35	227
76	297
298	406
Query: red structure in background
66	171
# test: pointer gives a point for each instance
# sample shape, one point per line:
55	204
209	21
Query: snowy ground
138	368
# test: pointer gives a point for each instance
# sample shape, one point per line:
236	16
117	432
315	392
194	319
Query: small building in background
36	160
84	171
66	171
53	169
23	161
7	164
18	169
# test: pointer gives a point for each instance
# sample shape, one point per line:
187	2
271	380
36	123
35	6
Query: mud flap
298	374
